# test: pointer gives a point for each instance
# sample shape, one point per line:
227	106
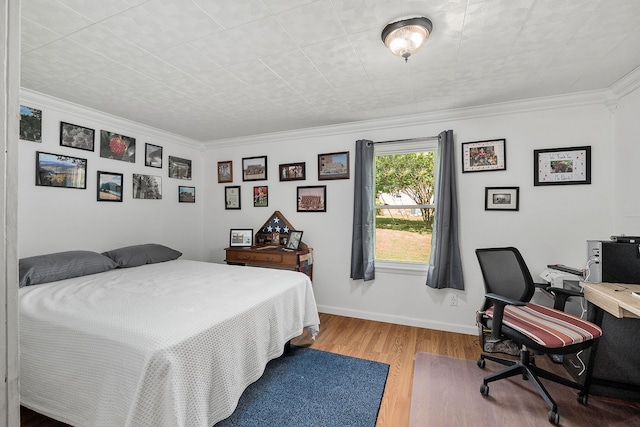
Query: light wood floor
395	345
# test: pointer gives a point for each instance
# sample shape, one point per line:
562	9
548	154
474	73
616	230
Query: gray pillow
62	265
133	256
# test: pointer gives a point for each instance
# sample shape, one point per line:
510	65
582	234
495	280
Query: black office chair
508	313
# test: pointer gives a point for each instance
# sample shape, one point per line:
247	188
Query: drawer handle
269	258
246	257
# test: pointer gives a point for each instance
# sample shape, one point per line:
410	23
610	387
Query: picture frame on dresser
241	237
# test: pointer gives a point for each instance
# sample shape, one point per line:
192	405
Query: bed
171	343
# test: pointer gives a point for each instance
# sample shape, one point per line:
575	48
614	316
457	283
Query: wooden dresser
273	257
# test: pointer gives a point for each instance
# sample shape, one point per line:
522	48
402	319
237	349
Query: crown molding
43	101
626	84
602	97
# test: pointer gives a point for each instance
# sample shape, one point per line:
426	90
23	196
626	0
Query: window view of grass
402	240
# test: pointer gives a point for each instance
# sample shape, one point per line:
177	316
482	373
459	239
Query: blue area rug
308	387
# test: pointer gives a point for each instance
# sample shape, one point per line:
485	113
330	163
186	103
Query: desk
615	368
272	257
614	298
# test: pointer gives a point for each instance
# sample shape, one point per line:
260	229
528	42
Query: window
404	205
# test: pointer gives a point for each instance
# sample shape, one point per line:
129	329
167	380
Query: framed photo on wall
260	196
179	168
292	172
312	199
225	171
30	124
232	197
109	187
152	155
333	166
484	156
501	198
117	147
186	194
55	170
147	187
75	136
254	168
562	166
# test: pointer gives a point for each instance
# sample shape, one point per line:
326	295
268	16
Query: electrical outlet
453	300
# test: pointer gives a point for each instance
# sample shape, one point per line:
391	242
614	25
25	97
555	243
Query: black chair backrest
505	273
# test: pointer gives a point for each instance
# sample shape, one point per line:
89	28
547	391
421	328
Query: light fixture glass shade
404	38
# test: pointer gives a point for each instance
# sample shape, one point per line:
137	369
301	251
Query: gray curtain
362	238
445	267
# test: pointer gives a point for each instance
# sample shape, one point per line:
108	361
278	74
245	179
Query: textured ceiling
217	69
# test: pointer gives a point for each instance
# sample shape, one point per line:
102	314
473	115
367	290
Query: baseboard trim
400	320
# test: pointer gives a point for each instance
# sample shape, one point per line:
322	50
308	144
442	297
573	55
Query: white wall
551	226
627	159
60	219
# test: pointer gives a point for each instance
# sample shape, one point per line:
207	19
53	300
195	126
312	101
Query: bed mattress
168	344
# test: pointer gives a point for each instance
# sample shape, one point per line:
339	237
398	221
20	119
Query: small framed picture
562	166
186	194
152	155
292	172
75	136
232	197
109	187
501	198
484	156
254	168
30	124
179	168
147	187
260	196
54	170
312	198
295	237
333	166
117	147
241	237
225	171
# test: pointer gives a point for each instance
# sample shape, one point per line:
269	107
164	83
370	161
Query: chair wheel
554	418
481	363
582	398
484	390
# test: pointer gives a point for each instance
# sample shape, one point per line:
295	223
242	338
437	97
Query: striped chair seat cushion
546	326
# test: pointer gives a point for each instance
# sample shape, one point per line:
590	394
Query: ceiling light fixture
404	38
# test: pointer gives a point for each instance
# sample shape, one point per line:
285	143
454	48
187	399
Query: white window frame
405	267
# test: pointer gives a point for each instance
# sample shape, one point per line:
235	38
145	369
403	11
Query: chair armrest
561	295
499	303
497	299
543	286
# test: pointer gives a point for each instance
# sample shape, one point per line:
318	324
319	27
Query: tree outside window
405	205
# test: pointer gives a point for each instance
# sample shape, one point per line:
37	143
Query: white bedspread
169	344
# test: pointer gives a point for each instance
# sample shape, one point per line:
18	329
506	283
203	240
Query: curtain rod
425	138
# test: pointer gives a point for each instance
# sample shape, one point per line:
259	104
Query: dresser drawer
258	257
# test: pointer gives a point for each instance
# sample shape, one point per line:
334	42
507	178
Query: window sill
394	267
